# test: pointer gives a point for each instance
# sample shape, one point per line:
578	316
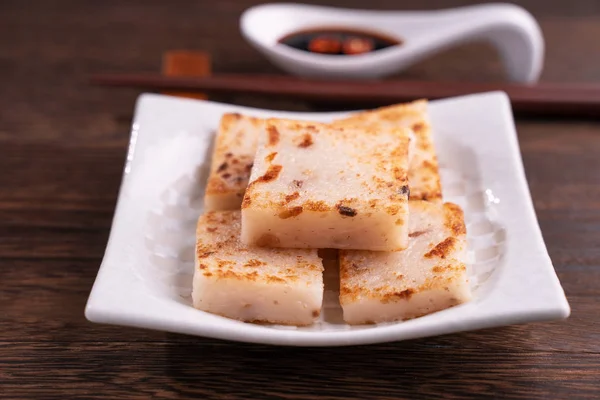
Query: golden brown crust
274	279
393	113
385	160
306	140
291	197
423	172
450	267
419	127
228	119
441	281
215	185
320	206
358	283
271	174
233	155
454	219
273	135
389	293
246	201
442	249
393	209
397	296
270	156
254	263
290	212
220	254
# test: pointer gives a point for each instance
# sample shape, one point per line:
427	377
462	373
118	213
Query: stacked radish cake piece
430	274
367	185
283	286
316	185
233	156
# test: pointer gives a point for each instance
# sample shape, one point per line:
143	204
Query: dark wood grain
62	148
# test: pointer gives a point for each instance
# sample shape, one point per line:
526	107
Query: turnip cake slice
423	170
281	286
430	275
318	186
232	159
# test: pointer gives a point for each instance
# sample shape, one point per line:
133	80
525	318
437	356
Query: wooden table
62	148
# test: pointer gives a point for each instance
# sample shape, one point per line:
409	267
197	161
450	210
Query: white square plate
145	277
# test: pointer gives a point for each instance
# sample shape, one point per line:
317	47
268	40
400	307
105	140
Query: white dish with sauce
511	29
145	279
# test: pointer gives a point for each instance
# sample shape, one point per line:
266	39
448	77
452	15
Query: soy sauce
335	41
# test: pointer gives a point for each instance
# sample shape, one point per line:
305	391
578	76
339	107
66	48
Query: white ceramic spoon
513	31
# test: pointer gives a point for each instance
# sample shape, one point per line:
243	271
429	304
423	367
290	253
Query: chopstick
566	100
